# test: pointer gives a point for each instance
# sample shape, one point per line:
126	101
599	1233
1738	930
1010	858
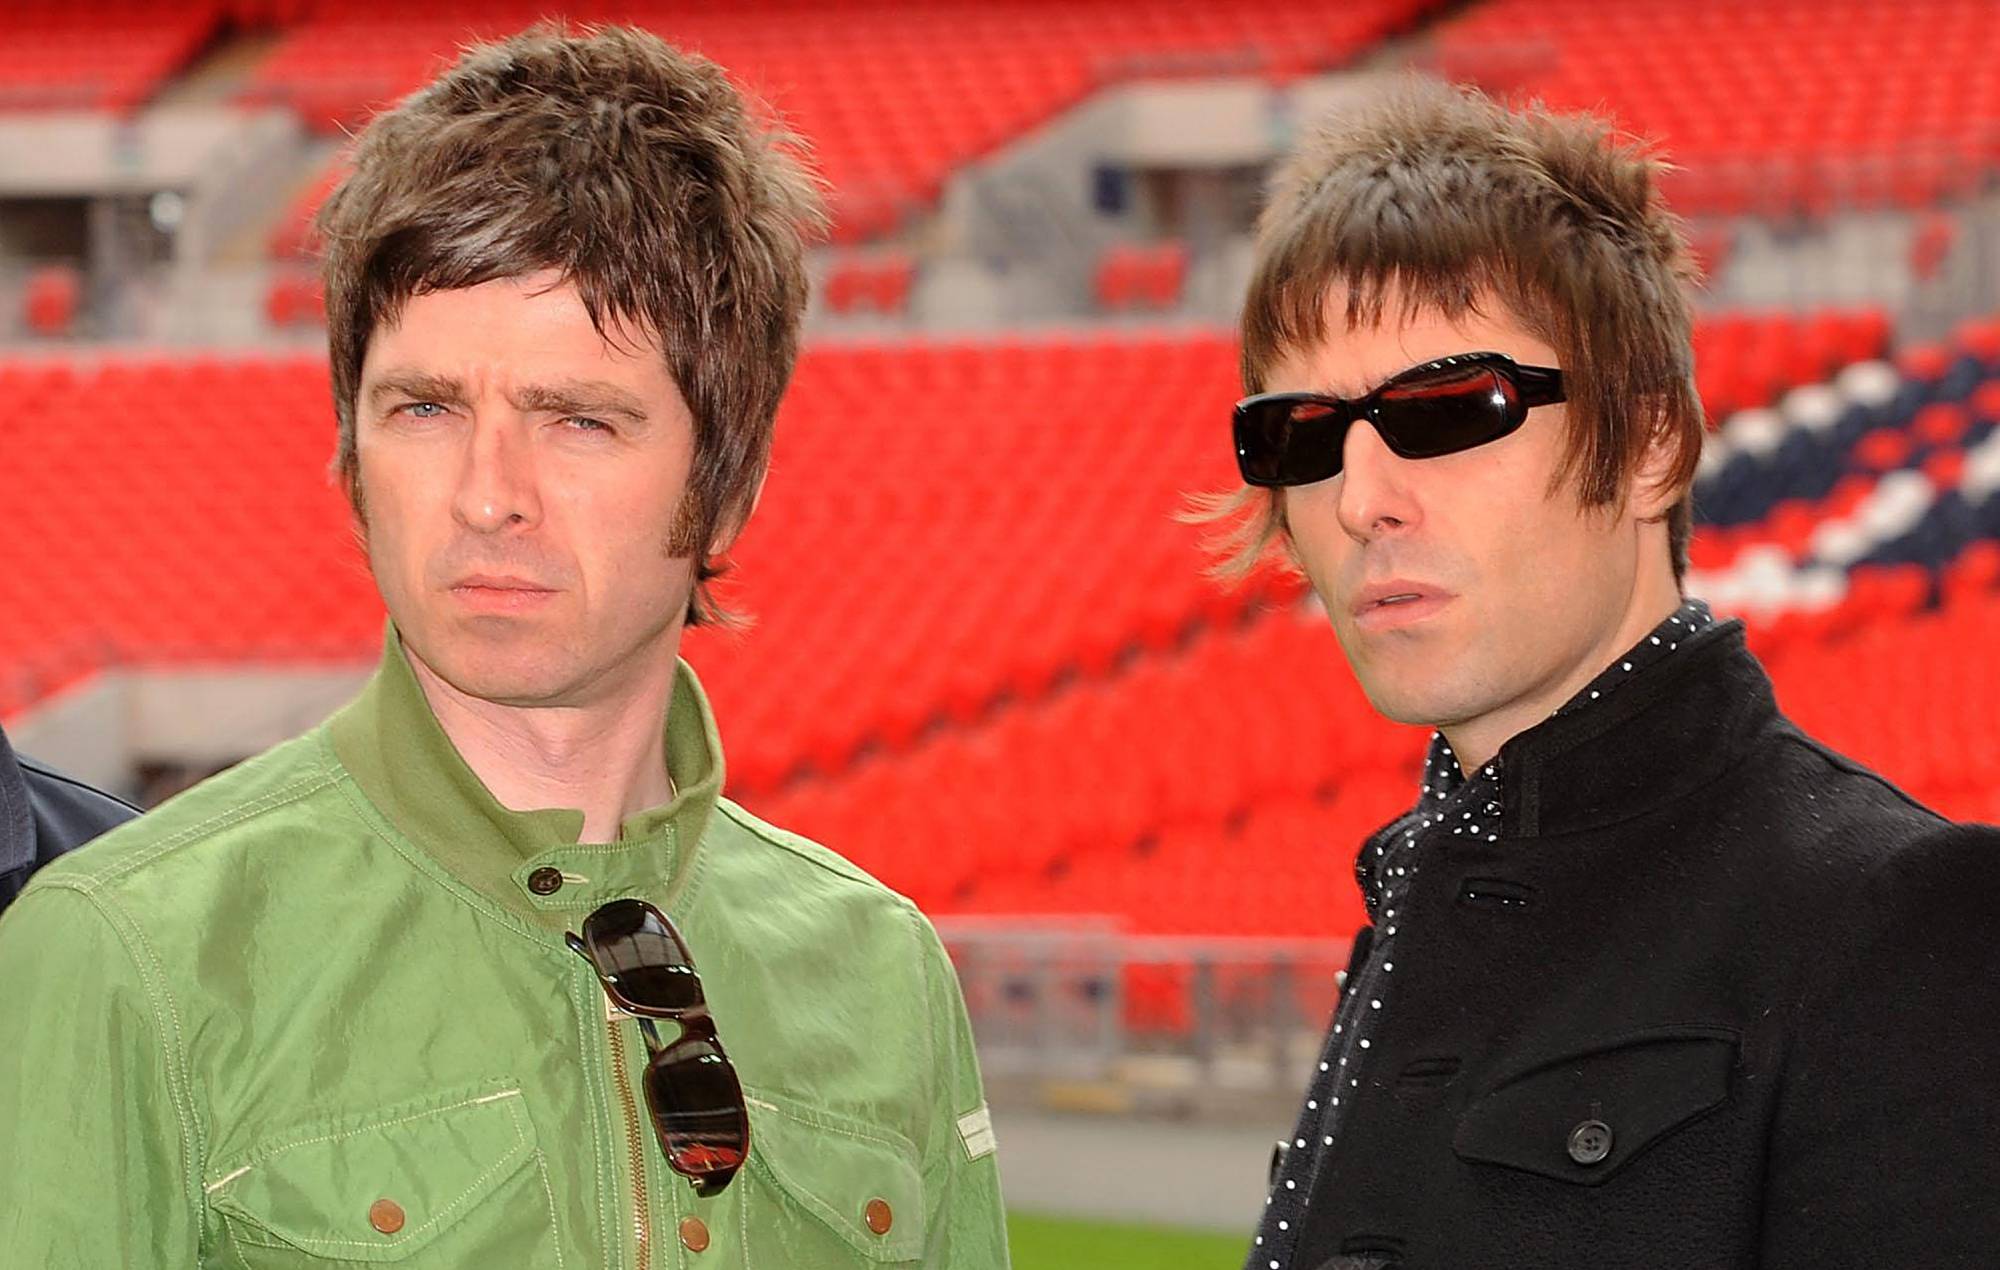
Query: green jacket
320	981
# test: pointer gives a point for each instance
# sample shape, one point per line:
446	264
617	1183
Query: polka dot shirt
1467	805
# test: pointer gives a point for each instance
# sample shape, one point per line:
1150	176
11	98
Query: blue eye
417	409
585	424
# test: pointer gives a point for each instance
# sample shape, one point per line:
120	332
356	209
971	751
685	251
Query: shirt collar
389	740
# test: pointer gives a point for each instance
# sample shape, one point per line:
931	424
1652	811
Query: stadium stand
1141	276
878	283
1777	108
973	605
109	57
893	96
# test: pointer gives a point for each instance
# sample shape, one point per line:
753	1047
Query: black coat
43	814
1769	978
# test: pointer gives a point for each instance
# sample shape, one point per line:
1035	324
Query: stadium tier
104	57
1773	107
974	607
1011	502
892	96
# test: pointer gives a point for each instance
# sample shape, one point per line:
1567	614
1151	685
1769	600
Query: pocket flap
1584	1117
842	1171
378	1187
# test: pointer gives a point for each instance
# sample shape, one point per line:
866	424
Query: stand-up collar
399	755
1661	736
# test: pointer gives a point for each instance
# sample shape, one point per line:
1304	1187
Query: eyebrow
581	397
563	396
417	384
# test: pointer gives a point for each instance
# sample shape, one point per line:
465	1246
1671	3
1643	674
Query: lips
496	582
1396	602
500	594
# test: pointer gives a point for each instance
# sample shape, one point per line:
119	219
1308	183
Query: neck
607	758
1474	742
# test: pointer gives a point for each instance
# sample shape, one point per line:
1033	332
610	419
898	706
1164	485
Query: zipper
635	1142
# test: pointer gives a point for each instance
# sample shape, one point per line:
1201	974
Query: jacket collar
17	816
1668	732
392	744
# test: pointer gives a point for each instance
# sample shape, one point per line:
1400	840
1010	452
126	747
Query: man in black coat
43	814
1650	978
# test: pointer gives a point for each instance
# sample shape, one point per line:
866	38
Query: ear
1654	490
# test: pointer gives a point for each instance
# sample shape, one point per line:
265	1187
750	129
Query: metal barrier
1081	999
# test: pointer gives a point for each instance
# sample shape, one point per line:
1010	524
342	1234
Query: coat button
545	880
386	1215
1590	1142
879	1217
694	1234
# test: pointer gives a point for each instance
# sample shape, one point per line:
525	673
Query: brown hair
635	170
1446	200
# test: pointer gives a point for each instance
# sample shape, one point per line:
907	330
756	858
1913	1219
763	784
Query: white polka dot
1364	1042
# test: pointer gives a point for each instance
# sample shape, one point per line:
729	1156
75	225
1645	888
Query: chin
523	680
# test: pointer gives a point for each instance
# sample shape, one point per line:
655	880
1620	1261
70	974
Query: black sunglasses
692	1093
1440	407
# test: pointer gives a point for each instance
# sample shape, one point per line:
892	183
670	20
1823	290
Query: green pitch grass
1053	1243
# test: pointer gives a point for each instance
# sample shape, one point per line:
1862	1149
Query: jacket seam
1847	766
266	1153
441	1214
29	765
180	1086
765	835
294	791
826	1123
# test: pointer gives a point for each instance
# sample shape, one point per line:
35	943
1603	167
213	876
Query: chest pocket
1584	1118
821	1190
452	1183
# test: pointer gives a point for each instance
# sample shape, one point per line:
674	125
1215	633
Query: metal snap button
879	1217
545	880
694	1234
1590	1142
386	1216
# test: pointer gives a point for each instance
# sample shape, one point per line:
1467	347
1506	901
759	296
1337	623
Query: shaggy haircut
640	175
1441	198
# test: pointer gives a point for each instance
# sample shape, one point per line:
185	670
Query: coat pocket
827	1190
1584	1117
452	1182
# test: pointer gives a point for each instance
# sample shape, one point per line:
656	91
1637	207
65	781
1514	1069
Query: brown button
694	1234
879	1216
386	1215
545	880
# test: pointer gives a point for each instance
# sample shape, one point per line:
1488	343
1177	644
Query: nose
1375	497
496	488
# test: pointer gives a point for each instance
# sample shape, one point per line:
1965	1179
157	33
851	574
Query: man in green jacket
320	1009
